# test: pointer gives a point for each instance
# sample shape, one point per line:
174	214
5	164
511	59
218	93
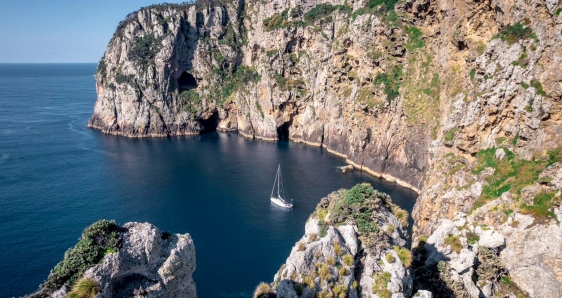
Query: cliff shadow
434	275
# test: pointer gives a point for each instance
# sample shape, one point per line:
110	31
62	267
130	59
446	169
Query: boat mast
278	179
274	181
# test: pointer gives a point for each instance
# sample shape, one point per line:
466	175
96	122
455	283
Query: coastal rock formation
146	263
460	101
353	246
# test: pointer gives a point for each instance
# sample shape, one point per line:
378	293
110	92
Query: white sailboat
278	199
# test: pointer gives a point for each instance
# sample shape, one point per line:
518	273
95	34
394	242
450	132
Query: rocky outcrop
149	263
482	261
353	246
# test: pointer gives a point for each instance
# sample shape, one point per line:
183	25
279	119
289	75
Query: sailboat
278	198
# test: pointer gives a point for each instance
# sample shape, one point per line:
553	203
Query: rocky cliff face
353	246
147	263
460	101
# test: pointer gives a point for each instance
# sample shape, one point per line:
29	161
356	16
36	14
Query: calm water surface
57	177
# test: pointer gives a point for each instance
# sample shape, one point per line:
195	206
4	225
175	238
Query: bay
57	177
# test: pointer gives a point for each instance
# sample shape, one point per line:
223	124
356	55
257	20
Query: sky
61	31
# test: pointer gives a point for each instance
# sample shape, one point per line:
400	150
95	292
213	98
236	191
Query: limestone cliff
460	100
135	260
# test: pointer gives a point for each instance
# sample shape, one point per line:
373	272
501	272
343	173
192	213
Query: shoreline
356	166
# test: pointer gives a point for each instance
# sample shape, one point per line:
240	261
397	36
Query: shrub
454	242
340	290
324	272
343	271
401	214
263	290
337	249
538	87
380	285
348	259
308	281
472	238
515	32
472	74
301	246
391	81
144	49
97	240
390	258
404	254
124	79
313	237
85	288
331	261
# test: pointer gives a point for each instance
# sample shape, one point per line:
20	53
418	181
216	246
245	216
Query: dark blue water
57	177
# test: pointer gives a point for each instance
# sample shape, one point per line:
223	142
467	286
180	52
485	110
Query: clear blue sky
52	31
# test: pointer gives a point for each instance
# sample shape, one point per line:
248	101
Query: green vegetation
514	33
415	40
321	12
380	286
102	67
450	135
542	205
377	6
538	87
472	74
243	75
340	290
360	206
454	242
558	11
392	81
124	79
189	100
512	174
404	254
337	249
101	237
85	288
472	238
308	281
347	259
144	49
390	258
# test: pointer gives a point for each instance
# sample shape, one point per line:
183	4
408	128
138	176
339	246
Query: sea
57	177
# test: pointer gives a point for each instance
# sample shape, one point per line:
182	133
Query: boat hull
281	203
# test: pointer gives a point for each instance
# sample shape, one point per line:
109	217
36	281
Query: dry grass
85	288
454	242
263	290
337	249
404	254
301	246
390	258
347	259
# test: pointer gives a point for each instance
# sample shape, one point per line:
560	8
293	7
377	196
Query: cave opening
283	131
211	123
187	81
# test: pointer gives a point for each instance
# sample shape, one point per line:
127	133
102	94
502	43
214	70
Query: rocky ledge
134	260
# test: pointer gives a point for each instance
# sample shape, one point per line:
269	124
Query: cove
59	176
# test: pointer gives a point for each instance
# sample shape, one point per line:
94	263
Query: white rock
491	238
